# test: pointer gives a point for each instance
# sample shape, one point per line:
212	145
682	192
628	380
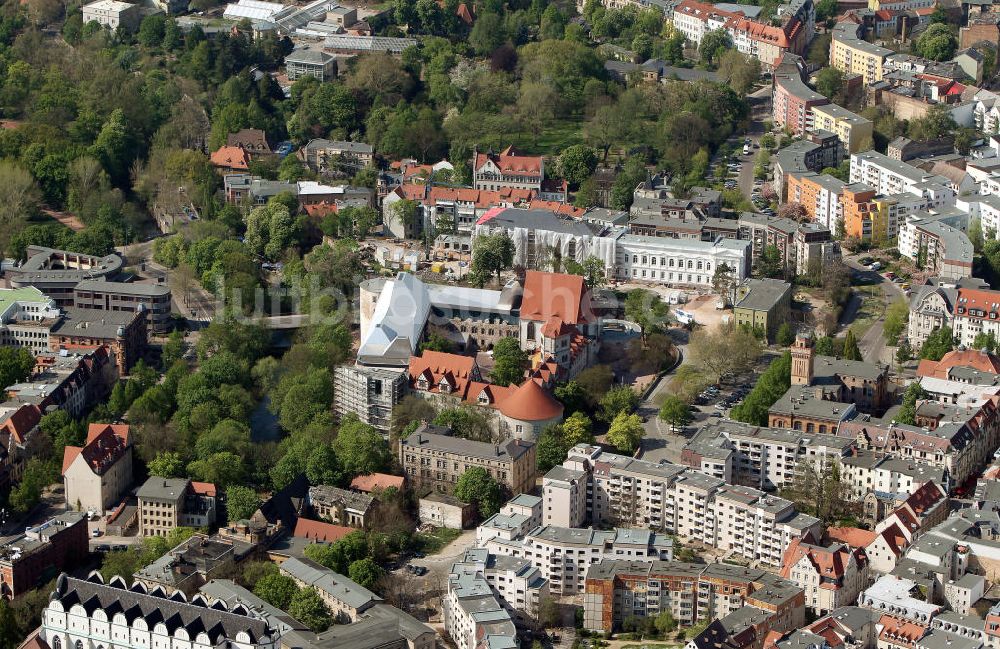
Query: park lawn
435	541
556	136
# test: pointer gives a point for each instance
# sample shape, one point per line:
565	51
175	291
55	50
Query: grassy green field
433	542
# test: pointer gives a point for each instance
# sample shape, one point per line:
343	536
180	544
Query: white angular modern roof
399	318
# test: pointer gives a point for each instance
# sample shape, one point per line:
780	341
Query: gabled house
493	171
98	474
230	159
831	576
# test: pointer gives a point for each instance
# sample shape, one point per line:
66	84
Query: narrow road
872	345
659	443
197	306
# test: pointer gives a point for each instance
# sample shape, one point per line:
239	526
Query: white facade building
90	614
688	262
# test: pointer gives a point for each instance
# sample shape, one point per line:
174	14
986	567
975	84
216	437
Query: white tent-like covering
397	323
255	10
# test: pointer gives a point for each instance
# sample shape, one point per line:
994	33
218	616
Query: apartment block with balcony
617	589
686	502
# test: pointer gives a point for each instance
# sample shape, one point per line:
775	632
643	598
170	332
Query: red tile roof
373	481
972	358
495	394
320	209
204	489
106	444
437	367
899	631
20	422
895	539
925	498
510	163
555	295
319	531
829	562
231	157
852	536
531	402
780	36
69	454
554	327
120	430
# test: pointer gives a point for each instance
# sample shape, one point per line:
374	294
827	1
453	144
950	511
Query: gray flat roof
124	288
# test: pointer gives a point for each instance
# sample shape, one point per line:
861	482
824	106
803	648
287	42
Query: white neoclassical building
89	614
680	262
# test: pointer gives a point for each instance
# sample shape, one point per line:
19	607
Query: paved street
872	345
197	305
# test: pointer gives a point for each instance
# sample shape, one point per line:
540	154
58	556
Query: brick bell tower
803	356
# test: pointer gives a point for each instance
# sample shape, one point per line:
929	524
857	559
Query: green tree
938	343
647	309
173	349
904	352
550	450
276	589
16	364
713	45
665	623
577	163
308	608
360	448
985	341
167	464
675	411
151	30
771	385
819	489
786	335
487	33
908	410
770	264
269	230
829	82
938	42
621	399
976	233
824	346
365	572
465	422
739	70
491	255
577	429
241	502
851	351
625	433
478	487
896	317
510	362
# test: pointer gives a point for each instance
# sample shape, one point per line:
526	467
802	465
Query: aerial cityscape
485	324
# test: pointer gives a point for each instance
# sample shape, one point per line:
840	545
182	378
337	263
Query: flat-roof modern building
154	300
57	272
